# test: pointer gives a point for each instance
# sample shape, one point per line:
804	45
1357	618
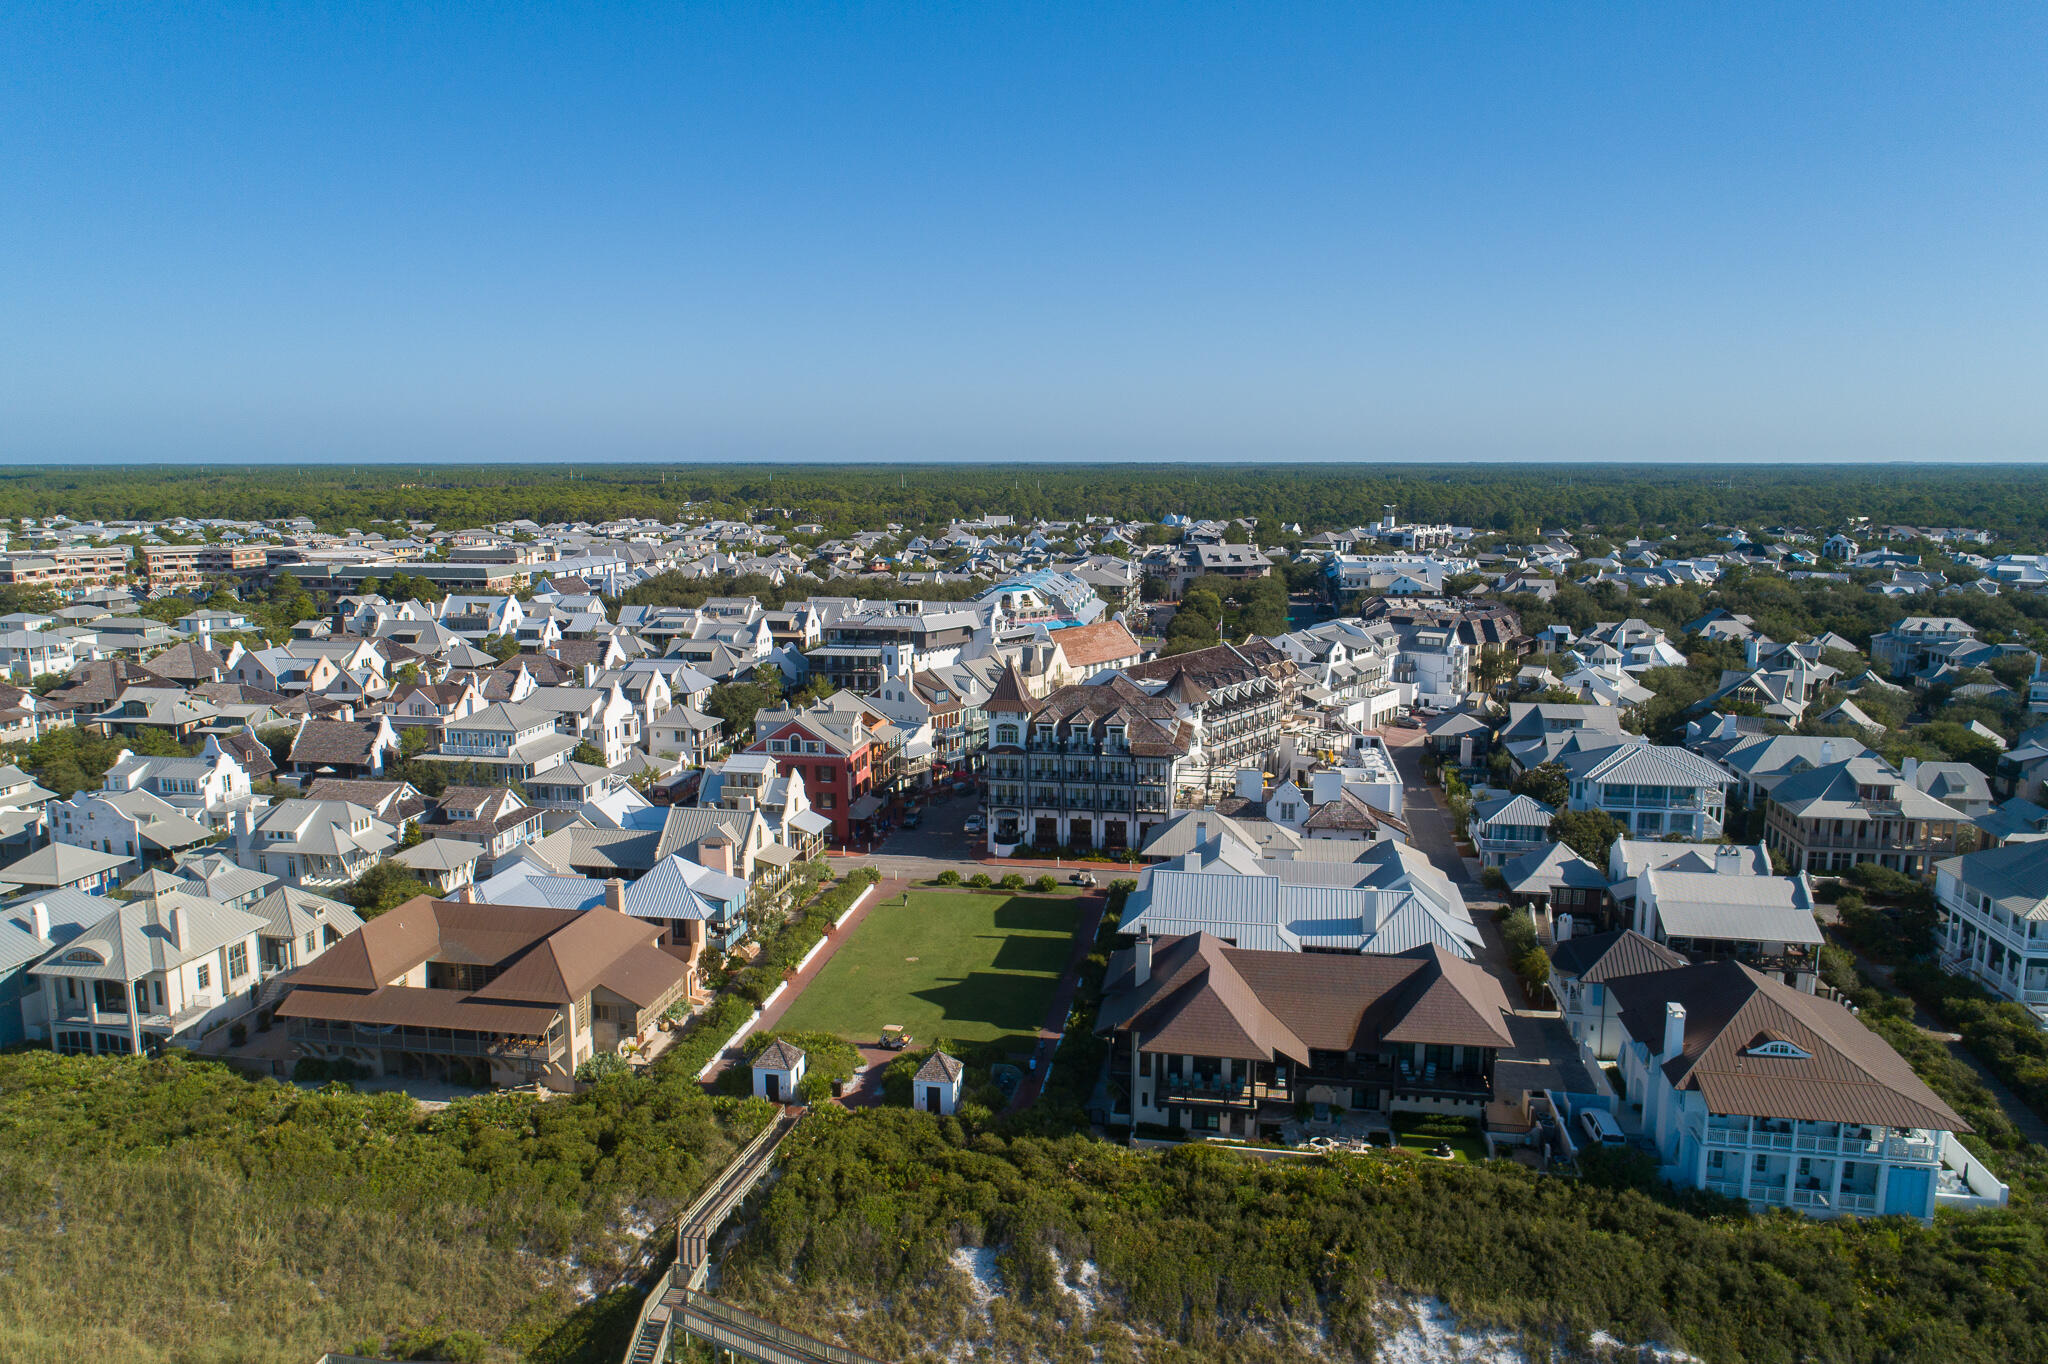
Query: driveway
1544	1055
1429	824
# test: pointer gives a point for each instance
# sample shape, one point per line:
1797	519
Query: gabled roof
1204	998
1849	1073
151	935
1597	957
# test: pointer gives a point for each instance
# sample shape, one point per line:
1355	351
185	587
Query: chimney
39	914
1201	834
1910	770
615	895
1141	961
718	855
1728	727
1827	751
1749	651
1562	932
169	918
1674	1032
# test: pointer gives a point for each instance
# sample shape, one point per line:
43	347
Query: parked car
1600	1128
913	819
974	825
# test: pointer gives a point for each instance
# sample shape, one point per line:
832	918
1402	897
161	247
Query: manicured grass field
978	968
1419	1133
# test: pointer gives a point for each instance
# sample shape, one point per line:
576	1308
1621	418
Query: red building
844	748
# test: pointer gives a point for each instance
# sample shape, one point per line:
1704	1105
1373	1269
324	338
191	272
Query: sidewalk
770	1016
1054	1027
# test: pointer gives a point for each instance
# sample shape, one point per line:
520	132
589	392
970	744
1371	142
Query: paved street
1544	1057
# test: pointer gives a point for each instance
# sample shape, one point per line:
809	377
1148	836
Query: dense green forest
2011	501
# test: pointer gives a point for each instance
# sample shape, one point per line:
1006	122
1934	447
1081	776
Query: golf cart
894	1038
1082	878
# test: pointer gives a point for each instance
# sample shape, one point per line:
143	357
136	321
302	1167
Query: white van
1600	1128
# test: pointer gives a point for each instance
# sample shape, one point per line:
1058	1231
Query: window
310	940
204	976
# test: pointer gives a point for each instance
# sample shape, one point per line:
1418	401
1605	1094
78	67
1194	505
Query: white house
1996	904
936	1086
207	788
312	842
778	1070
152	972
1580	967
1751	1089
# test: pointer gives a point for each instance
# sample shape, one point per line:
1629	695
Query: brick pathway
1050	1032
772	1015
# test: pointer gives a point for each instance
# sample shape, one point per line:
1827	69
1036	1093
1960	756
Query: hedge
804	930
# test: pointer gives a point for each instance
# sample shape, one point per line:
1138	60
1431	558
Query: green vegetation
276	1223
1207	1256
827	1058
979	968
1589	833
384	887
1517	500
1420	1133
71	760
1525	954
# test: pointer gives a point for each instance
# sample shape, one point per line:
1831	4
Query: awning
865	807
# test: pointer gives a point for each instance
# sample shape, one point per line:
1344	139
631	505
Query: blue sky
900	231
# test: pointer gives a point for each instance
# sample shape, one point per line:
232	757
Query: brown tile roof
1350	813
940	1069
1599	957
347	742
1205	998
1219	665
780	1055
100	681
190	661
1850	1074
398	1005
545	956
1152	725
1086	646
252	753
1009	695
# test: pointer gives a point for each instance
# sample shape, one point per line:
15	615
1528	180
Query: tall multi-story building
1238	695
1093	764
1750	1088
847	750
1832	817
69	567
175	566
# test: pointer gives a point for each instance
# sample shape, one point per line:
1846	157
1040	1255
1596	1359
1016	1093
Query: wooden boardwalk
678	1303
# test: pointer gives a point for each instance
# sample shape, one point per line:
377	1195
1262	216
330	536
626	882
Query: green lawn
1419	1133
979	968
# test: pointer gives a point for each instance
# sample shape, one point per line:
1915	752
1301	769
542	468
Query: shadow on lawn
992	999
1050	916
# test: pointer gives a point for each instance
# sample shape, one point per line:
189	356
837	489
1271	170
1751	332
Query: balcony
1237	1092
1876	1146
